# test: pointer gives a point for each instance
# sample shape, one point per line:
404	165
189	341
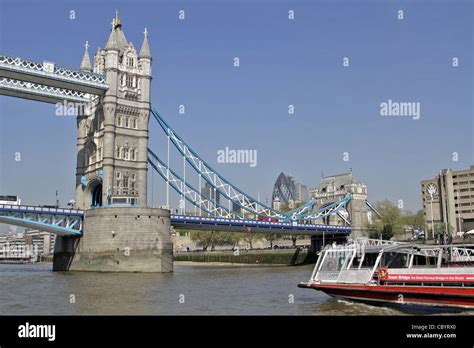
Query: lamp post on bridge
431	189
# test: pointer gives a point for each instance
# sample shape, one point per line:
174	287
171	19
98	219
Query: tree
206	239
251	237
417	221
440	228
271	238
390	222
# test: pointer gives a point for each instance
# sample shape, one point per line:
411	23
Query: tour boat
407	275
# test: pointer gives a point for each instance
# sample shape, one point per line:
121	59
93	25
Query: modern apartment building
449	198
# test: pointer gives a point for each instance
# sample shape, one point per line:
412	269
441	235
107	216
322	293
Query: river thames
33	289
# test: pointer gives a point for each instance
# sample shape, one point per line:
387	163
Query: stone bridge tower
120	232
112	139
335	187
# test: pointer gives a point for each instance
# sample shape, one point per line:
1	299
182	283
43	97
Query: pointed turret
112	42
145	50
86	61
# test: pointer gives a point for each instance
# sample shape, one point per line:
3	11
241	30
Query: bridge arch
94	192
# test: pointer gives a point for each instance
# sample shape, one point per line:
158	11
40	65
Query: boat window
335	260
394	260
356	261
369	260
422	260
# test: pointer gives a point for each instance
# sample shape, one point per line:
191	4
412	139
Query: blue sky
282	62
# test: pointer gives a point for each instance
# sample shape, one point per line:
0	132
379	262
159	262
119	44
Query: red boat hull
443	296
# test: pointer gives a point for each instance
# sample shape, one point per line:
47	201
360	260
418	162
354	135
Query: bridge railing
294	224
18	63
38	209
44	89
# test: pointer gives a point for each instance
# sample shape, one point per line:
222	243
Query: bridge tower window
130	81
125	185
125	154
117	152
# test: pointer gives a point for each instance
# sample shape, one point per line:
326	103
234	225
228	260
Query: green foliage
389	224
286	207
440	228
211	239
251	237
416	220
271	238
265	258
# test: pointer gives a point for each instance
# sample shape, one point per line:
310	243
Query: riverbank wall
287	257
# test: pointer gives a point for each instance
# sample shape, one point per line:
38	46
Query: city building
32	242
287	191
449	198
41	241
302	192
210	192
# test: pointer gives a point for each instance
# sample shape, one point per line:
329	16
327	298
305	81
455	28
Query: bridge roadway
70	222
251	225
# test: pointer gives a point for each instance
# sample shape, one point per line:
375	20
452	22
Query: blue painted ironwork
330	209
55	94
191	194
48	82
251	225
50	70
217	181
65	222
84	181
237	196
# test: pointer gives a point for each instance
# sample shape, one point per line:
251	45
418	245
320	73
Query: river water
33	289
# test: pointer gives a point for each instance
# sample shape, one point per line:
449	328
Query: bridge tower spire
86	61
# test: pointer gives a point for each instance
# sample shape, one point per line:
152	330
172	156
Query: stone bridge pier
118	239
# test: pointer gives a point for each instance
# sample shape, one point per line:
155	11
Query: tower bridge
112	228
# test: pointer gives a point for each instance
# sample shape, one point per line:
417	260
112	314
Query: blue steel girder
187	191
65	222
49	74
302	208
43	93
257	226
217	181
234	194
330	209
